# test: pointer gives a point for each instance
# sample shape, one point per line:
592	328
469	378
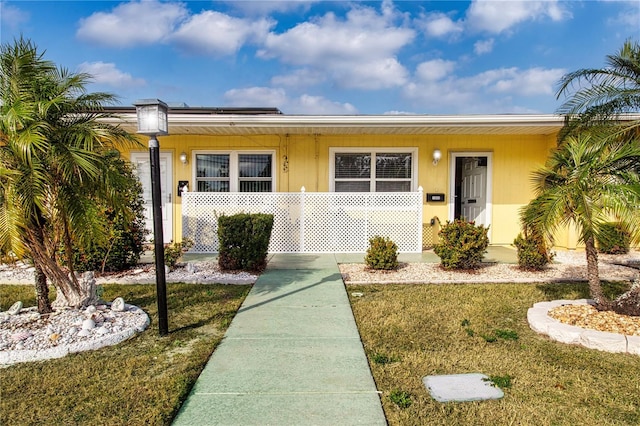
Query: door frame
168	229
453	156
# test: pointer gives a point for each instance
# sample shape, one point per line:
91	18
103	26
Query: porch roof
187	122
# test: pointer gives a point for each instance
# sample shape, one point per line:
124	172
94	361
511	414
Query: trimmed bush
613	239
174	251
533	252
382	254
244	241
462	244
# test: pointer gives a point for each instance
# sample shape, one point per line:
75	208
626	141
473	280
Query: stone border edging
542	323
28	355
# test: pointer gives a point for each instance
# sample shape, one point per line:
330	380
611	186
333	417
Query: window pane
212	165
254	165
354	165
393	166
393	186
352	186
213	186
253	186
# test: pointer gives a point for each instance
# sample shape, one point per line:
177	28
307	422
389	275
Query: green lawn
411	331
140	381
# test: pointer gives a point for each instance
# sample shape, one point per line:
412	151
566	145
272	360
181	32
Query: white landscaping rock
542	323
633	345
607	342
565	333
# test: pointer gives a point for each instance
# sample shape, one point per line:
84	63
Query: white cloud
628	18
256	96
129	24
358	52
277	97
487	92
436	69
12	16
107	73
481	47
495	16
439	25
531	82
318	105
217	33
300	78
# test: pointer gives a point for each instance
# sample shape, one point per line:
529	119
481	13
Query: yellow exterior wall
303	160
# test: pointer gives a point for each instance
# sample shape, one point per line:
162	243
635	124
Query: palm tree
52	167
600	95
586	181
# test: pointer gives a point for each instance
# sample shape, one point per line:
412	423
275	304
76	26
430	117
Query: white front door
473	190
471	187
142	168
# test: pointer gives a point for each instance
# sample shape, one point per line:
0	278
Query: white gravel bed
568	266
28	336
191	273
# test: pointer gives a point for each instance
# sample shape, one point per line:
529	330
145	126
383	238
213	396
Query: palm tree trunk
42	291
595	287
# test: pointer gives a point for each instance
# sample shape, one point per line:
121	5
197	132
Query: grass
140	381
443	329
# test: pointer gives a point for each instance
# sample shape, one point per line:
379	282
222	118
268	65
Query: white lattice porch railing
310	222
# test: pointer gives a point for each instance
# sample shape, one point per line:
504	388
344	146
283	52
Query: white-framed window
234	171
373	169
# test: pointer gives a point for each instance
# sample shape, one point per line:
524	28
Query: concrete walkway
291	356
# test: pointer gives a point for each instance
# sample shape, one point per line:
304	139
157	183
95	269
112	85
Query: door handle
169	197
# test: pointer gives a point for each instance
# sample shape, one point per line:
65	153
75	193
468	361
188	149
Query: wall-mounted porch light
153	121
437	155
183	158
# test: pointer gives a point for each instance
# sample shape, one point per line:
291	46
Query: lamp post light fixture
153	121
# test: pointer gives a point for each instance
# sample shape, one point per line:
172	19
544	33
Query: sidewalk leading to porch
291	356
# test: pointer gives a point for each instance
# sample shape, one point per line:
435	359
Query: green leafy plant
502	382
489	338
125	228
382	359
506	334
244	241
382	254
533	252
174	251
462	244
401	398
613	239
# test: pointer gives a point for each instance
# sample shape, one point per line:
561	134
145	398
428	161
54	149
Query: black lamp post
153	121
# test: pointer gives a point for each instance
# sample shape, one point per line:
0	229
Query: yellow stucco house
472	166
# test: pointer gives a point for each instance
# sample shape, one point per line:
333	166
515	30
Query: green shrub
533	252
462	244
123	243
244	241
382	254
174	251
613	239
401	398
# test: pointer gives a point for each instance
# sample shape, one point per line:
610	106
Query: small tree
53	137
586	181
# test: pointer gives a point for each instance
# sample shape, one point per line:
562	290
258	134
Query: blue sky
320	57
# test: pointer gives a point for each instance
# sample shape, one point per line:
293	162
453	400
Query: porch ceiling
181	123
